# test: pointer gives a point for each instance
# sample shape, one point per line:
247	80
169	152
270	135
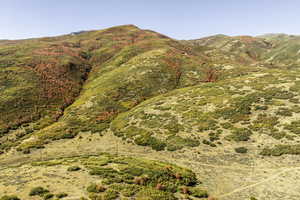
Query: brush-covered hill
57	87
269	49
131	112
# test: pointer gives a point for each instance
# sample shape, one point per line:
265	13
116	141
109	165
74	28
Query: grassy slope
39	78
217	113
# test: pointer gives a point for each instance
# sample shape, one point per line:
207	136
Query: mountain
133	114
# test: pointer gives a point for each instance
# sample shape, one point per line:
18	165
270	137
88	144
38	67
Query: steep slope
38	80
125	71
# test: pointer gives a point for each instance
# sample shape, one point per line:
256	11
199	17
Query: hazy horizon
180	20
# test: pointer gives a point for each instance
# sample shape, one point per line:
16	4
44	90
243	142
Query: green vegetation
12	197
284	112
105	57
241	134
197	192
61	195
126	177
94	188
294	127
38	191
152	91
177	142
279	150
153	194
48	196
148	89
241	150
132	177
147	140
73	168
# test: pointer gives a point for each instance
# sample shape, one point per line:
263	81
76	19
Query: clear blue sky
180	19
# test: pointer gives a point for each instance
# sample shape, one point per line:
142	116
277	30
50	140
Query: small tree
211	74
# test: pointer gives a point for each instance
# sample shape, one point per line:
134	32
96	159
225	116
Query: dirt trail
267	180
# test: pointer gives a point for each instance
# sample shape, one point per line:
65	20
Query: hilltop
135	113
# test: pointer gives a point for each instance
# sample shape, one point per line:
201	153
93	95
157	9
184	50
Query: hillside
128	113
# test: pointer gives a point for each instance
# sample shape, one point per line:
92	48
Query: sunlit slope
258	109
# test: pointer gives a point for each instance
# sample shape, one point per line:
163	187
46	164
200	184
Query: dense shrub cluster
279	150
12	197
38	191
240	134
241	150
134	177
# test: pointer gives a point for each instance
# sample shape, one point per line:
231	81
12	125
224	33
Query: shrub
279	150
261	107
293	127
48	196
209	143
213	136
126	190
140	180
240	134
94	188
184	190
103	172
148	140
176	143
61	195
10	198
278	135
26	151
199	193
40	191
73	168
227	125
241	150
134	171
110	194
153	194
284	112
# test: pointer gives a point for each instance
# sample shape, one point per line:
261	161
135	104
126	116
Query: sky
179	19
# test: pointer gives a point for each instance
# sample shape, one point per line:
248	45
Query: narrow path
258	183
